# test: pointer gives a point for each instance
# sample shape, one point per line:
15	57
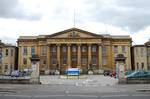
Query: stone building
8	55
73	48
141	56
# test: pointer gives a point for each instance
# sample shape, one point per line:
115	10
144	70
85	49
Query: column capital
68	44
58	44
79	44
89	44
99	44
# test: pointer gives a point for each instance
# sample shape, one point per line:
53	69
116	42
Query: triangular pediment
74	33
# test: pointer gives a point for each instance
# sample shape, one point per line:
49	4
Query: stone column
47	69
79	56
100	56
69	56
48	56
58	55
89	54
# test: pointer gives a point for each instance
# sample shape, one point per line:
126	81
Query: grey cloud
14	9
128	14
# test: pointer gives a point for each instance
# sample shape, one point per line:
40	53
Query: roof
74	29
138	46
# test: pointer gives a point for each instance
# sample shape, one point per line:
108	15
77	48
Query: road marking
90	96
105	96
27	96
141	95
40	96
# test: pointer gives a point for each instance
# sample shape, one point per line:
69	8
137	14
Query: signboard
73	71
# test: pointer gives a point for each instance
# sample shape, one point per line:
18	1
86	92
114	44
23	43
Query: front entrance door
74	62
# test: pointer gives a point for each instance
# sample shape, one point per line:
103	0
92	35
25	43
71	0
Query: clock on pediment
74	34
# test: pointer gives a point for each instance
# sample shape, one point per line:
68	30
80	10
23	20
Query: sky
43	17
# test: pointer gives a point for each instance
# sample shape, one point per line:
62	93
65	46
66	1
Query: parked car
113	74
128	72
106	72
15	74
138	74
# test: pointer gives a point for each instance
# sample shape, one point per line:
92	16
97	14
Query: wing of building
141	56
74	48
8	58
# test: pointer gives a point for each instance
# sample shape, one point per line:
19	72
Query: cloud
130	15
14	9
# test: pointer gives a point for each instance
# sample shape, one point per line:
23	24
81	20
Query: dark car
106	72
113	74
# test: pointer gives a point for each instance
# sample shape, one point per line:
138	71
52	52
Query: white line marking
142	95
27	96
40	96
83	96
114	96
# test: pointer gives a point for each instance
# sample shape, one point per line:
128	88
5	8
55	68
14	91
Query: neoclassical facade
74	48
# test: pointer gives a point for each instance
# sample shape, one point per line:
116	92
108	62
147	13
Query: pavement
83	80
89	87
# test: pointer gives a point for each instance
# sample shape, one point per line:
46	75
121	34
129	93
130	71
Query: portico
74	54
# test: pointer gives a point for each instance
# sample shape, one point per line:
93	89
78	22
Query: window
94	48
74	58
137	51
84	60
123	49
54	60
137	66
25	50
6	52
142	52
32	50
74	48
94	59
115	49
64	60
84	48
6	66
148	51
12	52
43	50
142	65
148	66
104	61
64	49
24	61
53	49
44	62
104	50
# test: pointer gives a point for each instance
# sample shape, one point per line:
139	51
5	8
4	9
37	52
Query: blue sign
73	71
